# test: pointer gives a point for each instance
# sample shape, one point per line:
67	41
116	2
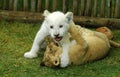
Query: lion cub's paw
30	55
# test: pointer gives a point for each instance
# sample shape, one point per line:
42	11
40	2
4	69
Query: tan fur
90	46
51	55
109	34
106	31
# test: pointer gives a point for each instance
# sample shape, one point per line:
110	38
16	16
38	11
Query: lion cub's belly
98	48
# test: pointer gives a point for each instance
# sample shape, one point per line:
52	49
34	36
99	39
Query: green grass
16	38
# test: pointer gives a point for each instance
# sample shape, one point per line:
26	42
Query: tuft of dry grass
16	38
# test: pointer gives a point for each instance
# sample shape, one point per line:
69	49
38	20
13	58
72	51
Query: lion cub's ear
46	13
48	40
69	16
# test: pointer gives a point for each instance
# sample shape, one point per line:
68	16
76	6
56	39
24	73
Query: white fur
54	19
65	46
42	33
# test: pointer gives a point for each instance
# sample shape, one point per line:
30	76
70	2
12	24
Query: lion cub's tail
114	44
109	34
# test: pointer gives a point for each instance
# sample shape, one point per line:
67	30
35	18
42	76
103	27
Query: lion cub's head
51	56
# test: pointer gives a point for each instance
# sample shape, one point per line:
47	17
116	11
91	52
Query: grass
16	38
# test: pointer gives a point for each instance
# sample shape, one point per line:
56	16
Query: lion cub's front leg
64	56
42	33
76	34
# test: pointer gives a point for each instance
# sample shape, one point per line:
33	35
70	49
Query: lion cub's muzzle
54	63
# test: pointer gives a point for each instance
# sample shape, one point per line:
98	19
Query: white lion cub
56	25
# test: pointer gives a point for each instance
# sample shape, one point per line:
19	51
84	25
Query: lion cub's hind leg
103	37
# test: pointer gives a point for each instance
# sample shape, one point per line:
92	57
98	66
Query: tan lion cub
86	45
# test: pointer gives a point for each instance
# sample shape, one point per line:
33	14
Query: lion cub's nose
56	63
56	35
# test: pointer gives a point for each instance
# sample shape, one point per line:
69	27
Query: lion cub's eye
51	27
61	26
50	49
